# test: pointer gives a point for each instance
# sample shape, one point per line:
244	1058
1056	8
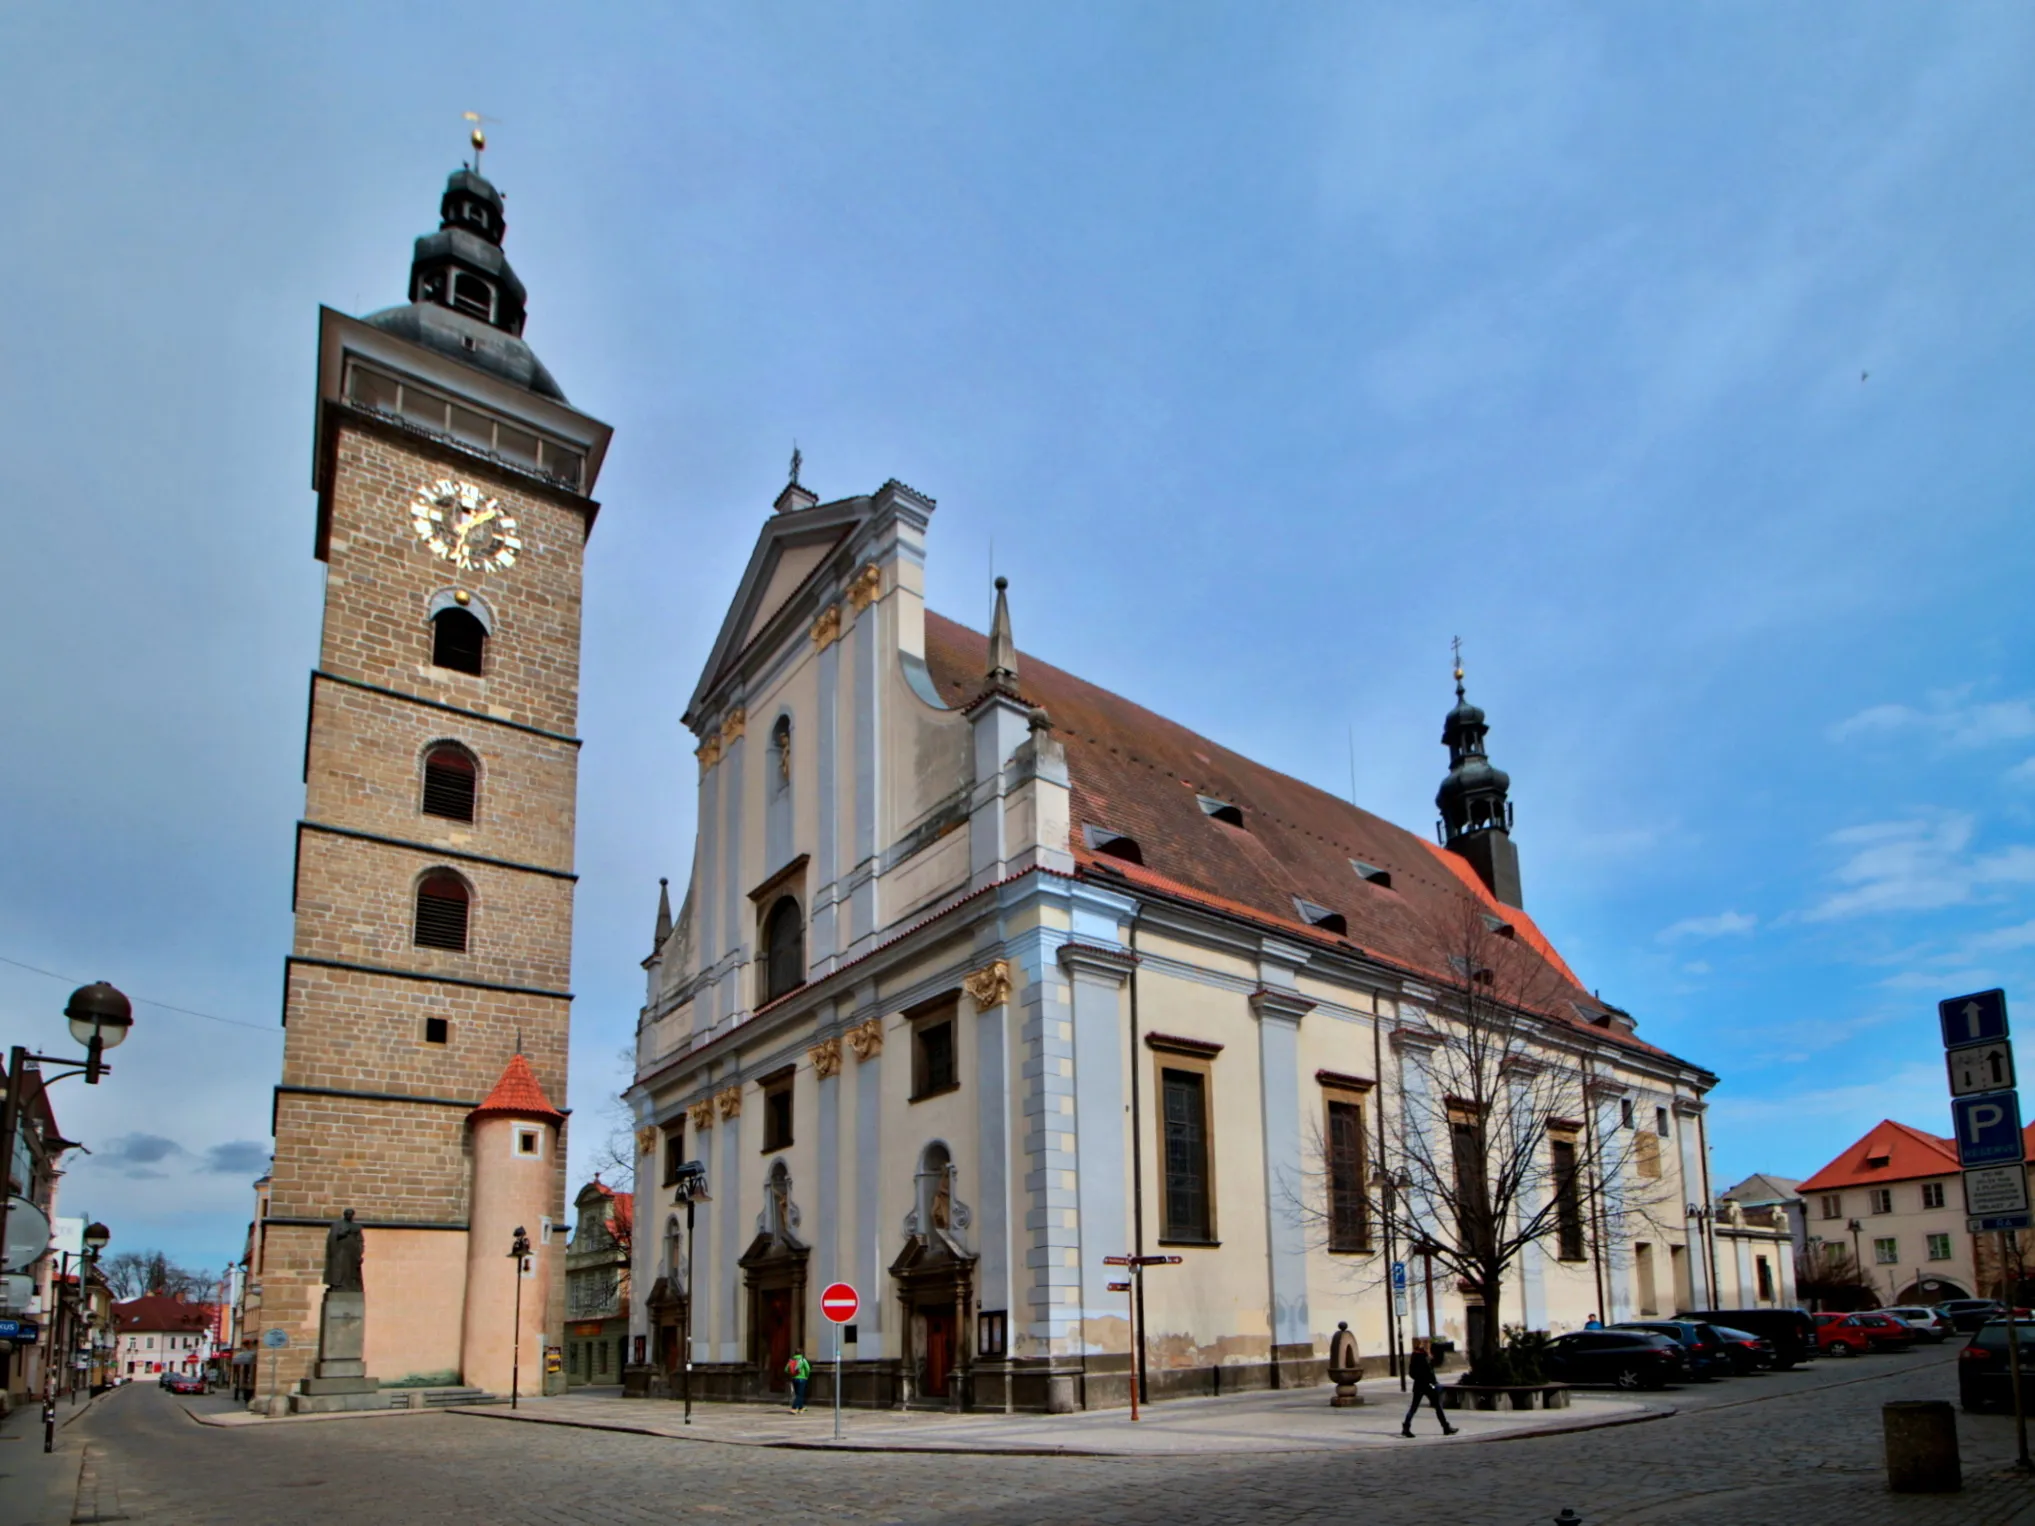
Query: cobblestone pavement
1801	1454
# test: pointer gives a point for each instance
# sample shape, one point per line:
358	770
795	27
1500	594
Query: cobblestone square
1800	1449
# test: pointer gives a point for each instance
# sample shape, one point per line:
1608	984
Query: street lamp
692	1188
100	1018
1388	1187
1857	1260
521	1251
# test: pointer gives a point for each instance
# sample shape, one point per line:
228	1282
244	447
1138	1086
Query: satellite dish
27	1235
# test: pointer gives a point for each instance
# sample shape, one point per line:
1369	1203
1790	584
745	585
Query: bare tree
1829	1277
1490	1145
130	1274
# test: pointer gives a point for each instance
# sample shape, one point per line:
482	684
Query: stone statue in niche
342	1255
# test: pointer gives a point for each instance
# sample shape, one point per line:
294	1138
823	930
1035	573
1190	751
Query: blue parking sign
1973	1019
1988	1128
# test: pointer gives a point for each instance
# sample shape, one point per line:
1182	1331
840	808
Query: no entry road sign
1973	1019
1988	1128
839	1302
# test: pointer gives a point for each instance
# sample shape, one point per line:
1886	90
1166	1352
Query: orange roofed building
1896	1199
984	976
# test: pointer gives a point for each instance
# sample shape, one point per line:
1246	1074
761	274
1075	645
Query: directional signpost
275	1337
839	1303
1136	1265
1985	1112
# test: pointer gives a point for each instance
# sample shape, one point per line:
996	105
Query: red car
187	1383
1849	1334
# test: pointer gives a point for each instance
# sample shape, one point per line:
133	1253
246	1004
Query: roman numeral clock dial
462	525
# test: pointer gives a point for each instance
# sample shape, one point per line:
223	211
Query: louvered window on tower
458	641
442	904
449	780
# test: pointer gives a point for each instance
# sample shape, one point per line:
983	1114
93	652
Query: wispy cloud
1949	718
1913	1094
1921	864
242	1157
136	1156
1725	924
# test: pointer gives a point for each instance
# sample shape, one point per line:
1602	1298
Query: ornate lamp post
99	1017
1388	1188
520	1249
1857	1260
692	1189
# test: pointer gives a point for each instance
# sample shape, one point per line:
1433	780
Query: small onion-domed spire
1474	799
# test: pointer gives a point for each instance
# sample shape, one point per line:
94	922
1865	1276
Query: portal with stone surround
434	861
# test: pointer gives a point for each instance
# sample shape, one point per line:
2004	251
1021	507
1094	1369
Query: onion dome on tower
465	301
1476	814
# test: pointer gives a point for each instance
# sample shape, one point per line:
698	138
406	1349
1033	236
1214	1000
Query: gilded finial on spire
480	139
1456	646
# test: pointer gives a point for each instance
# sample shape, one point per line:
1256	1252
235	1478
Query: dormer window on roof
1321	917
1878	1158
1220	810
1114	843
1498	925
1371	874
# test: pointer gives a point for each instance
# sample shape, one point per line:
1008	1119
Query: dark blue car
1703	1351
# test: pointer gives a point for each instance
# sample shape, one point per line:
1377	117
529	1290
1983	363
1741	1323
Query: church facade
985	979
427	994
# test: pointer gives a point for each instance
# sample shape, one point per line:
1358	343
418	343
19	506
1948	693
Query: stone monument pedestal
340	1379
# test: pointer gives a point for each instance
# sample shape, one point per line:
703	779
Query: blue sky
1678	360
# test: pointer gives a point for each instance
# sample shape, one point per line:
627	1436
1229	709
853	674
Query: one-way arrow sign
1981	1068
1973	1019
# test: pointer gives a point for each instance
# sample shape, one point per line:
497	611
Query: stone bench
1492	1396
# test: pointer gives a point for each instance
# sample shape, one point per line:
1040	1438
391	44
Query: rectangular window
934	1069
1833	1205
1886	1251
1882	1200
1349	1226
992	1333
1625	1112
674	1152
1474	1220
1646	1156
1660	1122
1939	1247
1765	1271
1932	1194
526	1142
1187	1215
777	1115
1568	1202
437	1030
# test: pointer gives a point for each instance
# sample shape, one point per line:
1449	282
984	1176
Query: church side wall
415	1281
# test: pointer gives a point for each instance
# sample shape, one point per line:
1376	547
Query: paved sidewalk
1287	1420
39	1488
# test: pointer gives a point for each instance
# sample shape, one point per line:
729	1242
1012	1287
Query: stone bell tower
434	861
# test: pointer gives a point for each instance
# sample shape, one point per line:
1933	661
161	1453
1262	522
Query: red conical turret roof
517	1095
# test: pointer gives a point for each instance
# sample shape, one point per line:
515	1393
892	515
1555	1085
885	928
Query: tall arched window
442	905
784	949
450	774
458	640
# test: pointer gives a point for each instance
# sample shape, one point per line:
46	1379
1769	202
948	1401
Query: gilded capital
827	629
708	752
729	1101
867	585
866	1038
702	1114
989	986
826	1057
733	727
646	1141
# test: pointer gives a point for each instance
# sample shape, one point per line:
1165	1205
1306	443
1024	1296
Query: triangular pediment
793	552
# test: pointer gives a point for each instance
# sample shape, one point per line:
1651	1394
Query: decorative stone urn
1345	1367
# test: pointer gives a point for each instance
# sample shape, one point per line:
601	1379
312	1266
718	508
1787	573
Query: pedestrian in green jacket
801	1373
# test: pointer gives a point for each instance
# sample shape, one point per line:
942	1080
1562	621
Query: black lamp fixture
100	1017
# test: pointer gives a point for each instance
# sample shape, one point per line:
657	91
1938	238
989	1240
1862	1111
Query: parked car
1791	1332
1983	1378
1928	1324
187	1383
1969	1313
1849	1334
1748	1352
1622	1358
1703	1354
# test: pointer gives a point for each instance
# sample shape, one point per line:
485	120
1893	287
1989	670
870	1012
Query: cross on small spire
797	460
1456	646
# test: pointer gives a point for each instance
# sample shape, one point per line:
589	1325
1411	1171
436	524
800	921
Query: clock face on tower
465	527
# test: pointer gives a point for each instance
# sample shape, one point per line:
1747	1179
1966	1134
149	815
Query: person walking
1593	1323
1425	1386
801	1373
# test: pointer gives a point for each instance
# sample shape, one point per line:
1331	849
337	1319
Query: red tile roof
1902	1154
161	1311
1138	774
517	1095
